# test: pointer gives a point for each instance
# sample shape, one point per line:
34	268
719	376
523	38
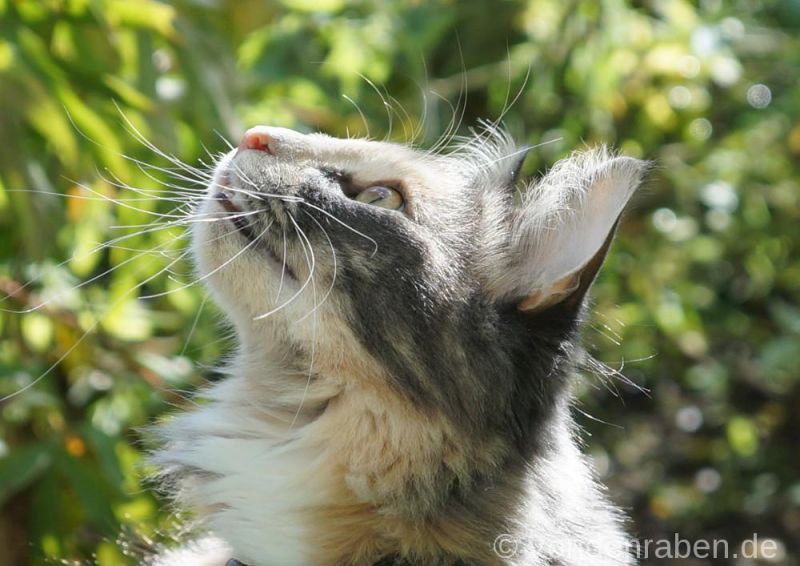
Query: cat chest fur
361	474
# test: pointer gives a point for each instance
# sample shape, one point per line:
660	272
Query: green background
697	306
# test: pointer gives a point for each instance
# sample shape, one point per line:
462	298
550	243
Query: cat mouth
243	226
237	218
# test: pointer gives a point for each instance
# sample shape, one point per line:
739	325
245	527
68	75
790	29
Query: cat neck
332	466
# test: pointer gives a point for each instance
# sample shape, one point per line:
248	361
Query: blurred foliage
698	302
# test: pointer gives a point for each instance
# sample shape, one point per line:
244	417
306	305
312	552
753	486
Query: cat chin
247	290
245	282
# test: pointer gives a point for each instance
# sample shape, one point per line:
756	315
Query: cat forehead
366	161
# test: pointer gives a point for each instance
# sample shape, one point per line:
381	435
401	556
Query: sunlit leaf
37	330
6	55
315	5
743	436
148	14
127	93
48	118
127	319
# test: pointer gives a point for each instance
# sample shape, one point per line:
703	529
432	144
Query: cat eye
383	197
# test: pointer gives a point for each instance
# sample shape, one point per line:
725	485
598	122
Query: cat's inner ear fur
560	233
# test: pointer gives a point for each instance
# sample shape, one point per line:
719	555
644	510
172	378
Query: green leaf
47	118
104	448
21	467
91	491
47	515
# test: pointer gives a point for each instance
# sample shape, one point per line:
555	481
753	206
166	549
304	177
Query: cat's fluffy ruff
397	403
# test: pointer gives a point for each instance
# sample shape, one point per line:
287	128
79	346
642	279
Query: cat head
436	268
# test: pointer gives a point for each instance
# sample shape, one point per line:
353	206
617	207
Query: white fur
265	478
207	551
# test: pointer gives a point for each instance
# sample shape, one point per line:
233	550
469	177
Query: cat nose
257	138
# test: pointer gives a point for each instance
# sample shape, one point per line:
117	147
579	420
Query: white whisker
302	286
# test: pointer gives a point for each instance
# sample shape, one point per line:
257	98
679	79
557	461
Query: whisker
344	224
508	105
123	204
333	278
383	100
104	198
44	303
224	140
283	266
227	262
360	113
80	340
311	262
194	325
152	147
302	287
99	247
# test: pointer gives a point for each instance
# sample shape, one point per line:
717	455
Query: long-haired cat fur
407	324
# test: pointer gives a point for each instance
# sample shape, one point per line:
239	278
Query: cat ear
515	162
563	229
493	158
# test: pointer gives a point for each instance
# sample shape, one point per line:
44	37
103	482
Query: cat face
310	208
424	261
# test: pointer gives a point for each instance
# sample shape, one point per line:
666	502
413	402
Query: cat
407	325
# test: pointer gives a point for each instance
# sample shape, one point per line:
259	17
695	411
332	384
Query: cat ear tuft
563	229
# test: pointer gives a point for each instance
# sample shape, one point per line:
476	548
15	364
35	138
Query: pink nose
256	138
